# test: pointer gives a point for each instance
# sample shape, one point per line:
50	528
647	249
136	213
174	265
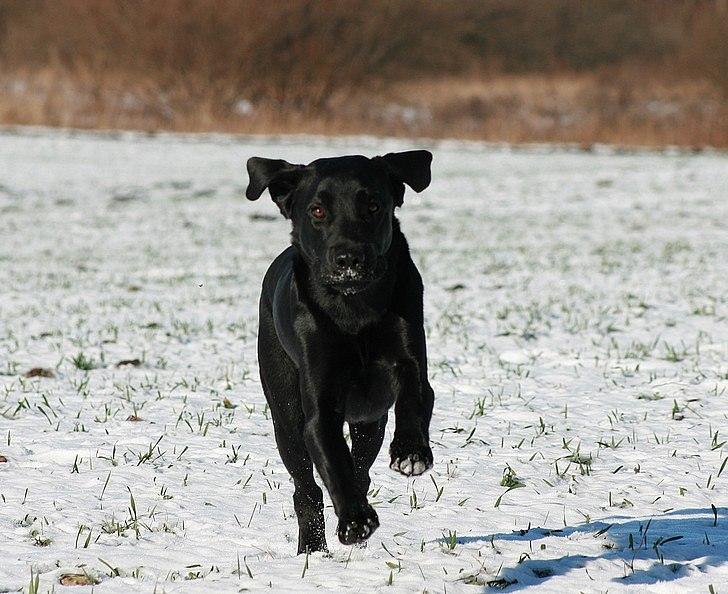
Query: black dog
341	332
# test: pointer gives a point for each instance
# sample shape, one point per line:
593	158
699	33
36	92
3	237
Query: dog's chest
370	393
373	381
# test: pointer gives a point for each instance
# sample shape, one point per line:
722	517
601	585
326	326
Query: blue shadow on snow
686	539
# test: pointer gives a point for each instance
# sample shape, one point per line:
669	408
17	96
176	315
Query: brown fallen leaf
39	372
3	459
71	579
134	418
456	287
134	362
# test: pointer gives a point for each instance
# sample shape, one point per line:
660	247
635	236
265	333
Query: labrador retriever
341	335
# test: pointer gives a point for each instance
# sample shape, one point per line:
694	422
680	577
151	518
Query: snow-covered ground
576	307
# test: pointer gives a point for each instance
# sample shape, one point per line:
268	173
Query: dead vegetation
629	72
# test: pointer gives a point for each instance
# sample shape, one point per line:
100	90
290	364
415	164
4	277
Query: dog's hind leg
366	441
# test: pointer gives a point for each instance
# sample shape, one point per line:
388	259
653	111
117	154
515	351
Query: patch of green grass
81	361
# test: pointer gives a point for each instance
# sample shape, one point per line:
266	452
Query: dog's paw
410	460
358	524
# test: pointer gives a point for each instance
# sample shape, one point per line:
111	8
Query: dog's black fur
341	334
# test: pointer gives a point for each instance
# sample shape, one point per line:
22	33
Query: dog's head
342	209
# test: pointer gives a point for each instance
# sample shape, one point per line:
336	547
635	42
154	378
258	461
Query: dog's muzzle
349	281
350	268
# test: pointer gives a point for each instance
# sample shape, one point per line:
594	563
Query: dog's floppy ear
409	167
280	177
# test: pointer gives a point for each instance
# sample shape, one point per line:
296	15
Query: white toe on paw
411	465
419	467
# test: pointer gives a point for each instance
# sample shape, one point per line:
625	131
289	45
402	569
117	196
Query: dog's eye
373	207
317	212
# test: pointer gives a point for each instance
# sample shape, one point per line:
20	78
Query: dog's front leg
324	439
410	452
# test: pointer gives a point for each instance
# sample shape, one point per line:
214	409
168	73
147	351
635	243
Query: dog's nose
348	258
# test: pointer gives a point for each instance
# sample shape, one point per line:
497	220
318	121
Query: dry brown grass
582	108
639	72
625	107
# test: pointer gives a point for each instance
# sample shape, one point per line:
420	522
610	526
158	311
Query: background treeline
626	71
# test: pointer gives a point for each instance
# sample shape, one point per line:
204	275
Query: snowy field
577	313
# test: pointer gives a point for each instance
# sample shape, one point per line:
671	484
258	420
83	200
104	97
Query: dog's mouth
349	281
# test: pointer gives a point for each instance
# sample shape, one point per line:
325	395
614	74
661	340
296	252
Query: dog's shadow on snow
648	550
